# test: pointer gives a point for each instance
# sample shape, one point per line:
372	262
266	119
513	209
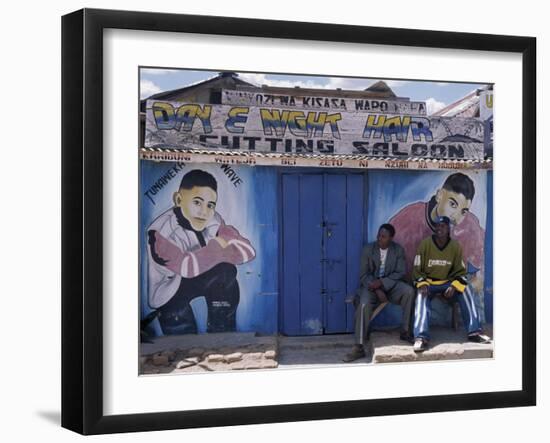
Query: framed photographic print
259	217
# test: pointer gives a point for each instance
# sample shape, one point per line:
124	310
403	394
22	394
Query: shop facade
306	178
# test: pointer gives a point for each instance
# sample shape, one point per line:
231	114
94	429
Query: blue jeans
423	306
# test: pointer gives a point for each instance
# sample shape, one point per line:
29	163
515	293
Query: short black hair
461	184
388	228
196	177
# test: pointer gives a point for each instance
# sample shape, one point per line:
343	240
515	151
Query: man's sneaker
405	336
357	352
478	337
419	345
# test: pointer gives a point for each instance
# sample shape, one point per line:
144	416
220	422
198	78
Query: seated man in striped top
439	268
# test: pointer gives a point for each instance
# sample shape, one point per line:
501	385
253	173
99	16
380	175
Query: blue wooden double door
322	235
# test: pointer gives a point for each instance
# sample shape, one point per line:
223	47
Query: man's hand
424	290
381	295
375	284
449	292
223	243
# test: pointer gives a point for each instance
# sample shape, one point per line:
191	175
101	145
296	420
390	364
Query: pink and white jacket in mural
412	224
176	251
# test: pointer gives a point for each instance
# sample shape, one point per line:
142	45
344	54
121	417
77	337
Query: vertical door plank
290	278
311	231
335	253
356	225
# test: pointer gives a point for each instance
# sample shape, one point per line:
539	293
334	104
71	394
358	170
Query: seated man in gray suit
382	275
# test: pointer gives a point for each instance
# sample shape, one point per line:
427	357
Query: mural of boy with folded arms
193	253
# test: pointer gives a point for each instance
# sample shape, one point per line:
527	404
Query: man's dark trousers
220	288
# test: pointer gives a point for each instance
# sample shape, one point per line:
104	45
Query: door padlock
329	233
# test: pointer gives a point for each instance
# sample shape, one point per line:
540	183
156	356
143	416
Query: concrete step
210	340
446	344
208	352
231	351
316	351
316	341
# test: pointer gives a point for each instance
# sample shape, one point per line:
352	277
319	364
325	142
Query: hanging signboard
254	98
486	104
269	129
486	114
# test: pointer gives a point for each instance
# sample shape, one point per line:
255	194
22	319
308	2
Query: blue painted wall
252	205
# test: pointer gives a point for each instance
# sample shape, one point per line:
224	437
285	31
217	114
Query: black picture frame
82	215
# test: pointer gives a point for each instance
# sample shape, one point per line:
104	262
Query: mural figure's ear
177	198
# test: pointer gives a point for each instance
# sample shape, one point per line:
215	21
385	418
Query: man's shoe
478	337
357	352
420	345
405	336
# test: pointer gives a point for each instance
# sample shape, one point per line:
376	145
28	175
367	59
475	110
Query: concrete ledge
241	351
316	341
208	352
188	341
316	351
446	344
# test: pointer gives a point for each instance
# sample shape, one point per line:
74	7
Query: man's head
197	197
385	235
442	227
455	197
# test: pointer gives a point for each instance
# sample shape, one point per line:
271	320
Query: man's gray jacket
394	269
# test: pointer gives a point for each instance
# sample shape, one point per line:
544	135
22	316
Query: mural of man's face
453	205
198	205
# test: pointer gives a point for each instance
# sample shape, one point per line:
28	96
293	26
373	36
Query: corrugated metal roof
379	90
173	94
467	106
381	87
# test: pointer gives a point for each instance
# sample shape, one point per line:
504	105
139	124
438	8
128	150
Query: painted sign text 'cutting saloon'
280	130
